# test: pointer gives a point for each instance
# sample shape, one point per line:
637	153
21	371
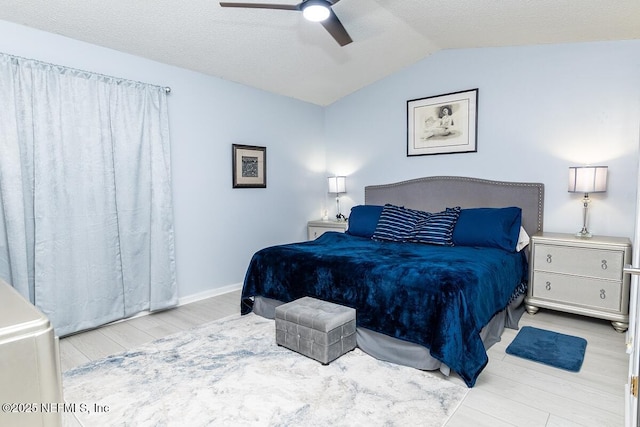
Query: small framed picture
249	165
443	124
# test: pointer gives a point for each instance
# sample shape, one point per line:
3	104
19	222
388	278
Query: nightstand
316	228
580	276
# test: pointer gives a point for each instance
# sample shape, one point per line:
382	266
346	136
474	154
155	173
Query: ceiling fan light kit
312	10
315	11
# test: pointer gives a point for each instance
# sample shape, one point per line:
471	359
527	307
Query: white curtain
86	223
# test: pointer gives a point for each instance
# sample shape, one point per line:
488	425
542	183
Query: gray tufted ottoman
318	329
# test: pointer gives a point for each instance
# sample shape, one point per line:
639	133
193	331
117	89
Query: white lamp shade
316	11
588	179
337	184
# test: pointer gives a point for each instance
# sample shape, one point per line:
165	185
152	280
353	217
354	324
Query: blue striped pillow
437	228
396	223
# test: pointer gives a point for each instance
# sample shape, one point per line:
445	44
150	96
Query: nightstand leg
620	326
531	309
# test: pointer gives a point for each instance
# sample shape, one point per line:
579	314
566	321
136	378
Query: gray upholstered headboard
433	194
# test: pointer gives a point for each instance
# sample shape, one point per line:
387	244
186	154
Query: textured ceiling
279	51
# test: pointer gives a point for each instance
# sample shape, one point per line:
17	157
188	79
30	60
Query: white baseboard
208	294
185	300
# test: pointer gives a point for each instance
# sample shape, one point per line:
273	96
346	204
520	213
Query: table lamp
587	179
337	186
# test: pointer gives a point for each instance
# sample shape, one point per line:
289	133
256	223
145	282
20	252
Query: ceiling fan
313	10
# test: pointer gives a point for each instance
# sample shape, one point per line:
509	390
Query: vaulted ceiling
280	52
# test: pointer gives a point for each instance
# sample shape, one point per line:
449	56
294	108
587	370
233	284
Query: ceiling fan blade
260	5
333	25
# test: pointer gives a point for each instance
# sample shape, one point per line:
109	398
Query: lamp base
584	234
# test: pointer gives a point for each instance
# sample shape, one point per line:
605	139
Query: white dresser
30	382
317	228
581	276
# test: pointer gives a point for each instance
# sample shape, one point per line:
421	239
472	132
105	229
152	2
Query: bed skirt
384	347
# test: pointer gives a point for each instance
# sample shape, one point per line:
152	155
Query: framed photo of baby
443	124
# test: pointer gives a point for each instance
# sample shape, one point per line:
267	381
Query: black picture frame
249	166
443	124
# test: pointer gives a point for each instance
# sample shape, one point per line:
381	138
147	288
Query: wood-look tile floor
510	391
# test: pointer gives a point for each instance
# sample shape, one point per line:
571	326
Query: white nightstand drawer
599	263
315	232
583	291
316	229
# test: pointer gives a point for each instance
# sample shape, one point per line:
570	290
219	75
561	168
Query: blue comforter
439	297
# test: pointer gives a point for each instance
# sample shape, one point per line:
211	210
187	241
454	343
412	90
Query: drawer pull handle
603	294
549	258
604	265
548	286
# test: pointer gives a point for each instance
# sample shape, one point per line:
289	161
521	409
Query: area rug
232	373
548	347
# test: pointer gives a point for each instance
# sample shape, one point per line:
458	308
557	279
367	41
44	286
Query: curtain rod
166	89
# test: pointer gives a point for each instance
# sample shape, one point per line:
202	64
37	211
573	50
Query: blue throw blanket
436	296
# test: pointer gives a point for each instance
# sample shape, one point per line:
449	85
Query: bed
431	306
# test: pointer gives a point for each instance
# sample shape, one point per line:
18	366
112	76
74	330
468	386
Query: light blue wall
541	109
217	228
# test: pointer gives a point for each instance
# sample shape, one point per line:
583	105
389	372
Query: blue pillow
437	228
396	223
489	227
363	220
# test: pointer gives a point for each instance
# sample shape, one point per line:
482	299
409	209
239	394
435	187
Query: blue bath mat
551	348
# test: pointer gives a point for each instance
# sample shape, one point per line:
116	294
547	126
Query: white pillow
523	240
